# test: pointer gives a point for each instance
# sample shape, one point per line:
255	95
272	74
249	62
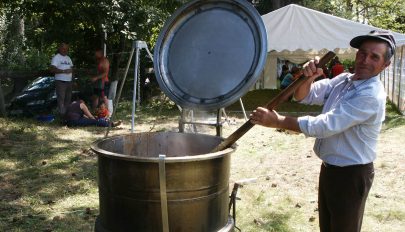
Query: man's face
98	54
63	49
370	59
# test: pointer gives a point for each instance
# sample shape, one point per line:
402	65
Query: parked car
38	97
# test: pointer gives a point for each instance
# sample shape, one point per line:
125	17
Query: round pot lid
209	53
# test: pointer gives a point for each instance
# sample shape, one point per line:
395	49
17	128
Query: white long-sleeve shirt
351	119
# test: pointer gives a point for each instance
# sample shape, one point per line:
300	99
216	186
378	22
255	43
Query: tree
13	40
82	23
266	6
386	14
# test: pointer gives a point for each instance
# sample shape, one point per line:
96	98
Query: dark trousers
87	122
63	95
342	196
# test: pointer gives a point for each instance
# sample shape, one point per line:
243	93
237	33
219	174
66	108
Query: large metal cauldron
196	182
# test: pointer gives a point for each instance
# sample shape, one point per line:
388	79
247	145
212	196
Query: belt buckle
327	165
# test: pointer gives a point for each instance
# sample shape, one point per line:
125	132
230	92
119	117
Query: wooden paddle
277	100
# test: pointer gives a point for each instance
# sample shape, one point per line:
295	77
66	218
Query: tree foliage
31	29
82	24
386	14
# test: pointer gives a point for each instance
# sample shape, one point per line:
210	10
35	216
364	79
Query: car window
40	83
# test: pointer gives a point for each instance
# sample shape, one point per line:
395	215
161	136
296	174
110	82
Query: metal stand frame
232	203
190	113
138	46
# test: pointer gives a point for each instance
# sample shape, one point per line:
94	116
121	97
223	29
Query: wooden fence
393	79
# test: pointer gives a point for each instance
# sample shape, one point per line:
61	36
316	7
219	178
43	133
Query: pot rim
186	158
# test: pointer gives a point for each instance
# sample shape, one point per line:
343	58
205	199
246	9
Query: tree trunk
2	103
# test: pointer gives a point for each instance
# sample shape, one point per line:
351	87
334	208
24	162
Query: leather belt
349	166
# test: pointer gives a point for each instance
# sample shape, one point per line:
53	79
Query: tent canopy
297	34
295	27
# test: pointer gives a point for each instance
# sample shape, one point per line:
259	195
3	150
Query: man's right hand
311	71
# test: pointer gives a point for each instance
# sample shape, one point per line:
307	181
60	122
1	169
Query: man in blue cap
346	131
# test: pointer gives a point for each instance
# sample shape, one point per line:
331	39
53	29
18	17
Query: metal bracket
142	44
232	202
163	193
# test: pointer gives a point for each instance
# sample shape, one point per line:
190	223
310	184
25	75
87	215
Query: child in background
102	111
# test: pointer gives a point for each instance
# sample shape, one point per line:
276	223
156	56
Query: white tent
297	34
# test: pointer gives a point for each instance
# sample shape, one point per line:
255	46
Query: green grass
44	179
48	176
393	118
256	98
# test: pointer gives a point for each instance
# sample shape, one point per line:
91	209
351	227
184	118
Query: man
101	82
290	77
61	66
346	130
285	69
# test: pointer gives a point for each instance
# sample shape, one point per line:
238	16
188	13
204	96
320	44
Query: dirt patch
287	171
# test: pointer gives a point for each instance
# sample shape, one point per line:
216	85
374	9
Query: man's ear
386	64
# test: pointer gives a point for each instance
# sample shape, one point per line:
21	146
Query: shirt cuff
303	124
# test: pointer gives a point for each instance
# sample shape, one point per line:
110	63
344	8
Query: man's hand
265	117
270	118
68	70
311	71
93	79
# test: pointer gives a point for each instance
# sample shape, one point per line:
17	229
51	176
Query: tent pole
137	48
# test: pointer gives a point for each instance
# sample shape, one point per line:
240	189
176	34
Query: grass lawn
256	98
48	175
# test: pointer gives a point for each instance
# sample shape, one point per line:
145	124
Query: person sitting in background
284	72
102	111
326	72
337	68
78	114
290	77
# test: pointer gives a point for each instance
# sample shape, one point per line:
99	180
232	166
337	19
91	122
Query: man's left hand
93	79
265	117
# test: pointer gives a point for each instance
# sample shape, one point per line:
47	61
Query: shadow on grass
38	171
277	222
272	221
43	174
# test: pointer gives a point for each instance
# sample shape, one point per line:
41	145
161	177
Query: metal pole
104	40
243	109
394	72
163	193
401	68
105	43
135	85
117	98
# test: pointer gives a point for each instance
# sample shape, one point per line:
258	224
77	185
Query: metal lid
209	53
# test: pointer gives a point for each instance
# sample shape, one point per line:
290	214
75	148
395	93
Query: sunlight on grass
48	175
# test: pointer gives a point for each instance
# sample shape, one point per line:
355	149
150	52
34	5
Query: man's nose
365	60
